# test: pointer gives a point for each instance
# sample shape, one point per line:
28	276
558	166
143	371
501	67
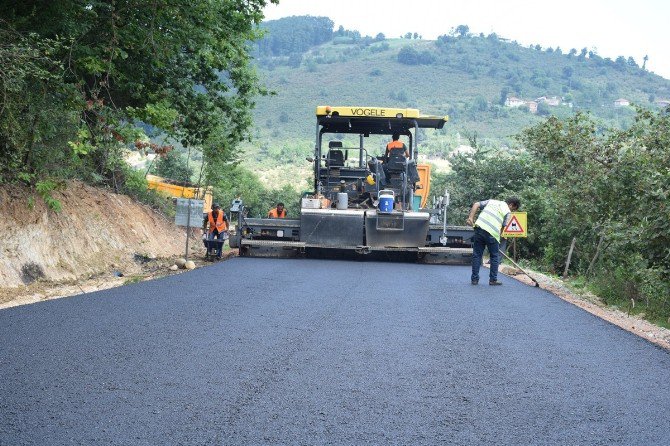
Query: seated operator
395	147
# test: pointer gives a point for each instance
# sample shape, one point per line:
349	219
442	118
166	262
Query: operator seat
335	156
396	163
394	170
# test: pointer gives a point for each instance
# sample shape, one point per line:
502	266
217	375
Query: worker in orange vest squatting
277	212
218	230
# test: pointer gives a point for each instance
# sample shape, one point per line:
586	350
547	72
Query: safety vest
491	218
220	224
275	214
397	146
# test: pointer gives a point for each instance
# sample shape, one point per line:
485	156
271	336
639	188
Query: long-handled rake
520	269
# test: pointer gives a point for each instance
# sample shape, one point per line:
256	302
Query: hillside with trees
465	76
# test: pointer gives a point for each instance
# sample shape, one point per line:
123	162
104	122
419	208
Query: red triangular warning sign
514	227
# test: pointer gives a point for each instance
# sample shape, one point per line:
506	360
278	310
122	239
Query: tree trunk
595	256
27	164
567	262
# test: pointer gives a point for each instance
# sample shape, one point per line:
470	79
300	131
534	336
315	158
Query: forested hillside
466	76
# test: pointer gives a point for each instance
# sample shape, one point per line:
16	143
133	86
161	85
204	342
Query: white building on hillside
512	101
553	101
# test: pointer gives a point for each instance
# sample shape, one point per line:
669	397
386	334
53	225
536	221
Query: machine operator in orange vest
277	212
218	229
395	147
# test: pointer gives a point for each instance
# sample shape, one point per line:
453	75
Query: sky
612	28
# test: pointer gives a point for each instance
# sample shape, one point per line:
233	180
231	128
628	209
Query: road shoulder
592	304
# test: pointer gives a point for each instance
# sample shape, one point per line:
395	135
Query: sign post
187	210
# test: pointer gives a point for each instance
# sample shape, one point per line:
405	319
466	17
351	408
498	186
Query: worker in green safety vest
493	217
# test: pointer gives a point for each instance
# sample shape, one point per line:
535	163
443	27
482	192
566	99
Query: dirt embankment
97	232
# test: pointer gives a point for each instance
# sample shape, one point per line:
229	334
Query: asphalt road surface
262	351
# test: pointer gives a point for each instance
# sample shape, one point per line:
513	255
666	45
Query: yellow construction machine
365	204
181	189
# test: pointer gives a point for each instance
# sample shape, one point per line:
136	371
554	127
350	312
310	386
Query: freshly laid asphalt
305	352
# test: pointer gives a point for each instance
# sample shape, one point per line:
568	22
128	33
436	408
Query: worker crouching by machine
215	227
277	211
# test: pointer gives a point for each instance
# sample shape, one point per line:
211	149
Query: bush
173	165
623	203
135	185
237	181
410	56
379	48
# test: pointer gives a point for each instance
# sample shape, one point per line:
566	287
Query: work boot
495	282
474	281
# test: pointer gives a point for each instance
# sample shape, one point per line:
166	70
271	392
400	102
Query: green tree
481	175
567	72
543	109
295	34
480	103
620	63
622	208
462	30
410	56
236	181
173	165
95	68
38	111
294	60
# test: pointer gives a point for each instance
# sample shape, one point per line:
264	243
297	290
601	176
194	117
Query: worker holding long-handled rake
493	216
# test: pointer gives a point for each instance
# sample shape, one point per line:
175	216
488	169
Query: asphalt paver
305	351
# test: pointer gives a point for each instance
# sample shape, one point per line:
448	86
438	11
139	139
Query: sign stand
183	217
188	228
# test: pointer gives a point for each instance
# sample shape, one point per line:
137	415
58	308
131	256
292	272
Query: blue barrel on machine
386	198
